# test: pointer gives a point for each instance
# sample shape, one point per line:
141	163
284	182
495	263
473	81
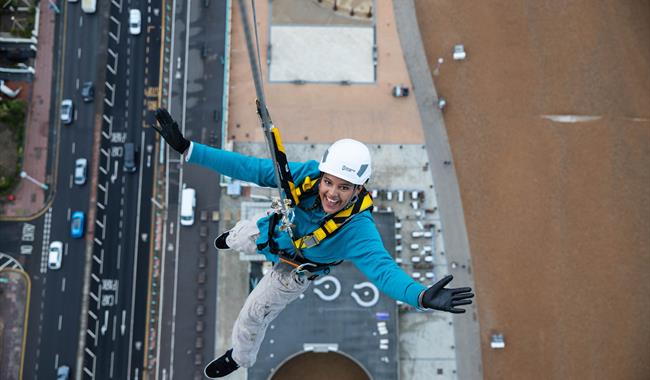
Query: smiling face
335	193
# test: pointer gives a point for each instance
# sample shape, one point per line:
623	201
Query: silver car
67	111
80	169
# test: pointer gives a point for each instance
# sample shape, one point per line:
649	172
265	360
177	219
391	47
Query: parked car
67	111
400	91
80	169
88	92
55	255
77	224
135	20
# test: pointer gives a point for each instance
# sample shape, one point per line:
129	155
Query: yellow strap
296	192
330	226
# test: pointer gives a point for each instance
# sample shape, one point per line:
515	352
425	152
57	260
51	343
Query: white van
188	202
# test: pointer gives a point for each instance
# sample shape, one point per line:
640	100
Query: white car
135	19
67	111
80	168
55	255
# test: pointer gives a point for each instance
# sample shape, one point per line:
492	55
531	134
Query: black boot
221	366
220	242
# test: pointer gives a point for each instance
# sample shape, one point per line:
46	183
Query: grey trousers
279	287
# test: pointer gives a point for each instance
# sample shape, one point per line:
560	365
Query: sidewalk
30	198
14	296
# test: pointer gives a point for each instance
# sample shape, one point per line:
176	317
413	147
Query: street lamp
54	7
23	174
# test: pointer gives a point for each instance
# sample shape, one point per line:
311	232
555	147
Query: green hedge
12	114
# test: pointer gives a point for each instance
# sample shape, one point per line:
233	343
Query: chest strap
334	222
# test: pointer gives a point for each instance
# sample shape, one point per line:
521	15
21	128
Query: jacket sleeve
236	165
368	254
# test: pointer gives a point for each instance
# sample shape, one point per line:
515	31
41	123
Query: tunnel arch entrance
320	366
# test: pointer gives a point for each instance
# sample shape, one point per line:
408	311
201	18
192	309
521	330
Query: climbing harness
329	226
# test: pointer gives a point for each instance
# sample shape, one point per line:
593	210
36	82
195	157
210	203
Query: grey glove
168	129
446	299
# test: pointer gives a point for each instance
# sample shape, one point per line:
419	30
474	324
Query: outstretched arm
250	169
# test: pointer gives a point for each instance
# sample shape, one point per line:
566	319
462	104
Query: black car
130	153
88	92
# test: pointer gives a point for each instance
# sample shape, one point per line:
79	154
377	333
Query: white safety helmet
347	159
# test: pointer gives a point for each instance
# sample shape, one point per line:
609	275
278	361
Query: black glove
168	129
440	298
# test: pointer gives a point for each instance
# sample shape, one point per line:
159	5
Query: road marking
96	329
123	326
63	285
74	147
89	352
101	265
114	175
60	320
117	5
110	101
109	121
78	57
68	214
112	68
112	358
81	21
101	205
90	312
116	37
46	240
94	276
105	325
77	86
56	361
119	255
114	326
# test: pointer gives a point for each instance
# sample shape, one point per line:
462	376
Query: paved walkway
14	294
466	326
30	198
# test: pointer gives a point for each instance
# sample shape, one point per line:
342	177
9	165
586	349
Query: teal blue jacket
358	240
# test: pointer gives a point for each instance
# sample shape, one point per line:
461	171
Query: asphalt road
196	88
56	297
116	314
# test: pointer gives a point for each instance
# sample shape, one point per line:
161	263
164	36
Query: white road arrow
123	326
105	325
114	175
